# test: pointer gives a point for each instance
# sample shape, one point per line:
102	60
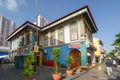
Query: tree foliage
117	41
28	70
56	52
70	60
116	44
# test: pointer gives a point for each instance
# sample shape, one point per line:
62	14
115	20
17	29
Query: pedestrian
109	65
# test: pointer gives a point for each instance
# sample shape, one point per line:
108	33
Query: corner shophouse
72	33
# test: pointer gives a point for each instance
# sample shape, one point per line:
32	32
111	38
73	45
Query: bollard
99	68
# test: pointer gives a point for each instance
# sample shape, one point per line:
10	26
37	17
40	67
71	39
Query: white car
4	58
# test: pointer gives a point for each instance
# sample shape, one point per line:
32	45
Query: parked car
4	59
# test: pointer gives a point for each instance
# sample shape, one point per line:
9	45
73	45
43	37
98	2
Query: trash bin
17	61
50	63
21	65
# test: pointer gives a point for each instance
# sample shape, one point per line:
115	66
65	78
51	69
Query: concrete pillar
40	58
84	57
93	59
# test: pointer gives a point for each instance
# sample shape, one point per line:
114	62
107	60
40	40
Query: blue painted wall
65	52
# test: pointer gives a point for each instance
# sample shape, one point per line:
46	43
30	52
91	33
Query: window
7	28
73	31
3	28
52	38
61	35
27	38
86	32
46	40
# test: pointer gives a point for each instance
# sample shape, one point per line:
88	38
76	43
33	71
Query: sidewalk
93	74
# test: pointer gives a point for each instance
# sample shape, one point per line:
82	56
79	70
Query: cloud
12	5
22	2
0	3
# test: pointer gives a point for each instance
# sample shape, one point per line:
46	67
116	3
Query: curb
78	74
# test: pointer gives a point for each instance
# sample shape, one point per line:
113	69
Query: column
31	36
40	57
83	53
93	59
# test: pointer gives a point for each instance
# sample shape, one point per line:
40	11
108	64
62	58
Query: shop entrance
38	59
76	56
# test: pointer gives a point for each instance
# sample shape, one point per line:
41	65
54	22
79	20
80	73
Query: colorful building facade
72	33
100	52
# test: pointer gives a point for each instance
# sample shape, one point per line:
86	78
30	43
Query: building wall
6	27
96	44
99	52
51	35
81	27
42	21
66	46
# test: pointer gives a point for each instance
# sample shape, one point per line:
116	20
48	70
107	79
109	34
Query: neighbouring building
72	33
42	21
6	27
100	52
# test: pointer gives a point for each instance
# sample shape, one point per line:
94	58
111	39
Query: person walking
109	65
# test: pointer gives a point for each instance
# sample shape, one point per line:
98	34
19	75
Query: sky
106	14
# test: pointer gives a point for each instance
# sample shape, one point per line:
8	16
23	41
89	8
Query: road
9	72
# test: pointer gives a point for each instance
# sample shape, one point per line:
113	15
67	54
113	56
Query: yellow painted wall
40	57
96	44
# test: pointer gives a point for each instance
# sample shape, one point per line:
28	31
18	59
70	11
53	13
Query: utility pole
36	12
36	42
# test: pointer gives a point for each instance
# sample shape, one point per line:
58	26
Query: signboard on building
74	45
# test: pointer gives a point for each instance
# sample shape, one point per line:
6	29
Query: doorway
38	59
76	56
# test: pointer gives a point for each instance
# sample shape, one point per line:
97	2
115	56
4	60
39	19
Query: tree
28	70
56	52
70	60
117	41
116	44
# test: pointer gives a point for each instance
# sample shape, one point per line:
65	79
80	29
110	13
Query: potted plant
28	70
78	69
70	60
56	52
